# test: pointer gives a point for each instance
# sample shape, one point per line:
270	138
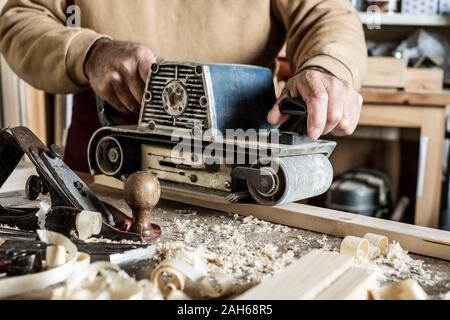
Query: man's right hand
117	72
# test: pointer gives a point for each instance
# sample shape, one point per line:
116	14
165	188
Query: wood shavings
216	285
189	211
227	249
235	247
88	224
355	247
397	264
5	226
186	276
22	284
378	241
105	281
44	209
55	256
104	240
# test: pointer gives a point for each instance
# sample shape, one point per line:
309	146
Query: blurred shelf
400	19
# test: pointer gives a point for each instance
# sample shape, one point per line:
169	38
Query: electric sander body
203	128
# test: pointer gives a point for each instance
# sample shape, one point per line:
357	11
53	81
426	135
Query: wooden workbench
167	213
420	110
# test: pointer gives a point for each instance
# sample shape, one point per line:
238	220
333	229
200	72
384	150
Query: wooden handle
142	192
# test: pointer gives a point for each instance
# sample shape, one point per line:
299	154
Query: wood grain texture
386	72
420	98
302	280
424	79
354	284
416	239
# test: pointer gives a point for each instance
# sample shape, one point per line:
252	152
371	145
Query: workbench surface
279	245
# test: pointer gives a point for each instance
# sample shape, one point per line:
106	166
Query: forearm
41	49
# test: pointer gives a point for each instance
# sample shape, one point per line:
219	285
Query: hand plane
202	128
72	201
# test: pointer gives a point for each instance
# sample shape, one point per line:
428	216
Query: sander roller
202	128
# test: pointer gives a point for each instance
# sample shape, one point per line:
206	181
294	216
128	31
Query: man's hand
117	72
333	105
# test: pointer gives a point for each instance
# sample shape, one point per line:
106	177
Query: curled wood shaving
30	282
355	247
186	275
216	285
105	281
88	223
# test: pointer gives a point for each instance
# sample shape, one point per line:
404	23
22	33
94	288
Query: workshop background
396	165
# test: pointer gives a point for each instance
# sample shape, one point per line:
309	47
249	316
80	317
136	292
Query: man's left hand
333	104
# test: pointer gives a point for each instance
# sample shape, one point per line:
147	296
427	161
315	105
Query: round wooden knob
142	192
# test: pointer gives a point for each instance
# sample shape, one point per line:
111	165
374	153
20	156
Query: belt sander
203	128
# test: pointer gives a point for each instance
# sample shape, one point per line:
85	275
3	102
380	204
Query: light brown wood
403	290
431	79
416	239
416	98
302	280
355	247
386	72
431	122
378	241
354	284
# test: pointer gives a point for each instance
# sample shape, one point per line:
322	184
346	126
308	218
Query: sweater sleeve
40	47
326	34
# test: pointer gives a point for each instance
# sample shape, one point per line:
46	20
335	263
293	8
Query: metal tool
191	107
69	195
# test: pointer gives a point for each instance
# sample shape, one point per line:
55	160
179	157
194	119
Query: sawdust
5	226
108	241
74	236
397	264
249	262
228	250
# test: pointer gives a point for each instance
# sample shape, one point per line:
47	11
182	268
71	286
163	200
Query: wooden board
417	98
416	239
424	79
354	284
302	280
386	72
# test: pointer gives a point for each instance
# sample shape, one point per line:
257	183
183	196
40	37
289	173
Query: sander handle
297	109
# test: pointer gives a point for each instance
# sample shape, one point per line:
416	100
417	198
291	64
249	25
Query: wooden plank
418	98
354	284
431	79
416	239
386	72
302	280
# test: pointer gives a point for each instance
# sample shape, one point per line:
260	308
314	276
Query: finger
123	93
313	91
137	87
128	71
351	116
275	117
335	109
144	63
114	101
